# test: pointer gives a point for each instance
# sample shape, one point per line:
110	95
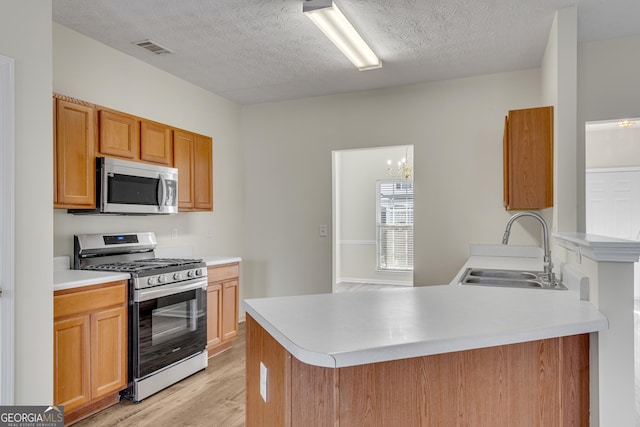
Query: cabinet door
203	181
108	351
71	364
155	143
529	159
75	155
183	160
118	135
229	309
214	301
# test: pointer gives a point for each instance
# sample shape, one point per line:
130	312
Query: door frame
7	221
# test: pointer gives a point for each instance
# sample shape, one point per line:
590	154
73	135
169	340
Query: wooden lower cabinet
90	348
222	306
536	383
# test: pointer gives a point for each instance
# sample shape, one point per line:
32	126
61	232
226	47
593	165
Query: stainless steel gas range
167	307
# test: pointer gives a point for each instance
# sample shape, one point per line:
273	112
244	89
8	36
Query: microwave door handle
162	194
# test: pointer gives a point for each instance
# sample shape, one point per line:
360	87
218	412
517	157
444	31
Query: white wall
612	147
607	89
91	71
25	35
559	90
456	128
359	171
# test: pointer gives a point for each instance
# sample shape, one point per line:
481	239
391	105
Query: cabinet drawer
224	272
82	301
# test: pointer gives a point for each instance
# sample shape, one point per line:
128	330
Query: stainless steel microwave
133	188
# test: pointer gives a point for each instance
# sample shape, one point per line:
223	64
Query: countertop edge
324	360
212	261
69	279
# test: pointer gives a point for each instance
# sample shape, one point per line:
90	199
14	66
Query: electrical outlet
263	381
323	231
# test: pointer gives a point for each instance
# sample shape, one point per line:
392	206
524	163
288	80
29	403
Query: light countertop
219	260
354	328
67	279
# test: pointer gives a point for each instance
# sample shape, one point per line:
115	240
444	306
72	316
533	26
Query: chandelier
403	170
626	123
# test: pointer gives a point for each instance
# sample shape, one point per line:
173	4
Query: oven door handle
166	290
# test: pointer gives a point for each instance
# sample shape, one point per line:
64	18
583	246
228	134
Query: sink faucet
548	265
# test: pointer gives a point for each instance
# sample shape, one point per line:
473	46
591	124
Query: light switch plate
263	381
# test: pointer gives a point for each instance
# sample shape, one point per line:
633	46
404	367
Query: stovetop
137	266
134	253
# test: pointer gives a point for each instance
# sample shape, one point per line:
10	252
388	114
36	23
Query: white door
7	144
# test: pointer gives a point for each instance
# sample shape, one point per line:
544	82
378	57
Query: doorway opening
612	199
372	218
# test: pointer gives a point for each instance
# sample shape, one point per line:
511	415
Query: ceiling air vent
153	47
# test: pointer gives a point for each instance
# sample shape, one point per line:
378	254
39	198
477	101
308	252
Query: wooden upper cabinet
182	160
119	135
192	156
156	145
83	131
528	159
74	157
203	176
128	137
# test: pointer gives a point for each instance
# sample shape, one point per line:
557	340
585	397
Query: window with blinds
394	223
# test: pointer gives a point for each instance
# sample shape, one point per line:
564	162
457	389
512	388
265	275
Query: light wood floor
214	397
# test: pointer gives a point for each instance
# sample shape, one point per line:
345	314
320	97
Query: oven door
137	188
169	324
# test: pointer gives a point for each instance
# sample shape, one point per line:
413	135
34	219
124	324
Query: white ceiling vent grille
153	47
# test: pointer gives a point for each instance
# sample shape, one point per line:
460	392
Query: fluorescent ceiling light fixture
328	17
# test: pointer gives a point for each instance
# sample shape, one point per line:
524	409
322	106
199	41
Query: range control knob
177	276
190	273
199	272
151	281
162	278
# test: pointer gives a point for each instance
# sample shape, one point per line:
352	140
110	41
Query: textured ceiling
251	51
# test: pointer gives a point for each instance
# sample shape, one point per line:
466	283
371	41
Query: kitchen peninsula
422	356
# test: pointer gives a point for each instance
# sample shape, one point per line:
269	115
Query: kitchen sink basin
503	274
508	283
508	279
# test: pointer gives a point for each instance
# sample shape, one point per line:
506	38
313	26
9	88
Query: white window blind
394	223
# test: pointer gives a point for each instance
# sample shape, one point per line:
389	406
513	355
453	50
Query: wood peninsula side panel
543	382
276	410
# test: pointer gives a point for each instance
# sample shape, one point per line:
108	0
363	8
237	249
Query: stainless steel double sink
509	279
